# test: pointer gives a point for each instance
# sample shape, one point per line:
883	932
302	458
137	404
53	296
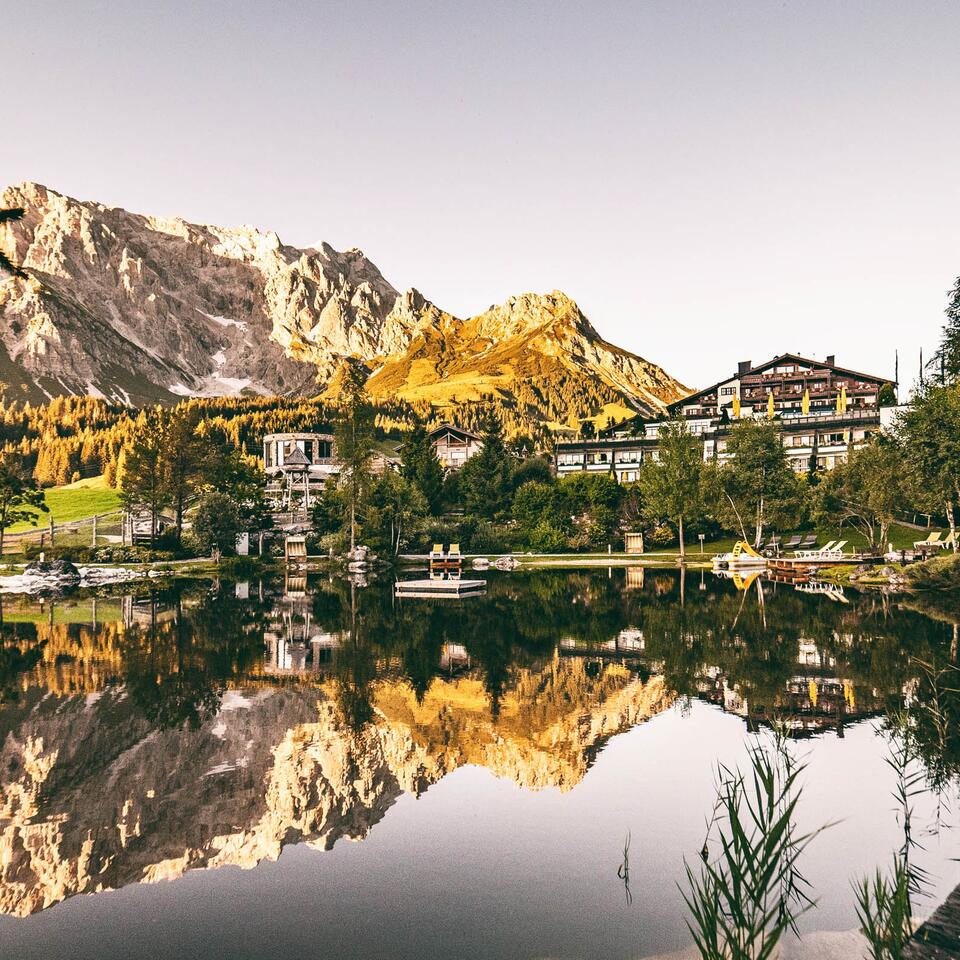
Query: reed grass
743	898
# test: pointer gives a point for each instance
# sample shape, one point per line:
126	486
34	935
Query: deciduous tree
930	432
671	485
20	497
866	491
756	486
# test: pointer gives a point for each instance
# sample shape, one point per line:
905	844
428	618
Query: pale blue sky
710	181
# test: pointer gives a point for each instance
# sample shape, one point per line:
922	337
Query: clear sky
710	181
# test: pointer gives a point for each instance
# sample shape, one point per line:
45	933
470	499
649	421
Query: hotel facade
823	412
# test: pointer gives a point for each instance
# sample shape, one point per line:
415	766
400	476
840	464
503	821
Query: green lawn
76	501
902	538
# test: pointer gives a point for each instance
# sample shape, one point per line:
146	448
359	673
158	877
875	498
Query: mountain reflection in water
209	724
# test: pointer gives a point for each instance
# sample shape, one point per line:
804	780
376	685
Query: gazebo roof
295	458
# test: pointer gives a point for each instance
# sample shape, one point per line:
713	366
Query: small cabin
454	446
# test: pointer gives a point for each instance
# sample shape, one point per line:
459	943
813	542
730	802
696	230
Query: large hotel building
823	412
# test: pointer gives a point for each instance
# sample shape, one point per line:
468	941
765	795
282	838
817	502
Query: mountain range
140	309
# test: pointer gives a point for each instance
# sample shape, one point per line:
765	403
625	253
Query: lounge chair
775	543
836	550
437	553
793	542
454	553
808	542
933	542
826	548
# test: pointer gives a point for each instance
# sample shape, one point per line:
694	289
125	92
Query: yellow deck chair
454	553
933	540
437	552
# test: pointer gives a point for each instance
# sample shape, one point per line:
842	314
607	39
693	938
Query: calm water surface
314	769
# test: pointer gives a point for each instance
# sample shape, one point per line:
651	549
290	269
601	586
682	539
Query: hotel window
727	391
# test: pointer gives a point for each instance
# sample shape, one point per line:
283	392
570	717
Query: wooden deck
939	937
440	588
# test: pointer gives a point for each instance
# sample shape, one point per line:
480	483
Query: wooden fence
96	531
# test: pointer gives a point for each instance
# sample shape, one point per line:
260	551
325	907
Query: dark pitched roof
822	364
760	367
295	458
445	427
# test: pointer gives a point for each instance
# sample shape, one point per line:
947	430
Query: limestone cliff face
93	798
139	308
539	342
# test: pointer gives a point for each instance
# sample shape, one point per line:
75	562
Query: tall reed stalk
745	897
885	901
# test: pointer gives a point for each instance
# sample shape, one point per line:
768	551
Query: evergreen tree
422	468
486	479
354	438
184	459
144	481
216	523
945	364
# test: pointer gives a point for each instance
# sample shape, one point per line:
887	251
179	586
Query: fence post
93	537
51	529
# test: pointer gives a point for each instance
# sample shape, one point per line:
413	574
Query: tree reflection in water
767	652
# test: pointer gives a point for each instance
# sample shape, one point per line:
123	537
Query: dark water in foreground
196	760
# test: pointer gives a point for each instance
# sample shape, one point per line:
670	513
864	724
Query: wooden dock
939	937
440	588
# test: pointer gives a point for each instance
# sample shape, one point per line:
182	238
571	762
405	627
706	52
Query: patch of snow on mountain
224	321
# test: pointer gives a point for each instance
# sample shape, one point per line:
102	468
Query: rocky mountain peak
141	308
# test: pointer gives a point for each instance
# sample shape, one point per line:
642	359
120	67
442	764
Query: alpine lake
311	767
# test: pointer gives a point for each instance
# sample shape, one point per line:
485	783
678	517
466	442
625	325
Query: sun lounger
793	542
809	553
808	542
933	542
454	553
437	552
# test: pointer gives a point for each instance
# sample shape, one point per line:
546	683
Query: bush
663	536
940	573
545	538
338	542
119	554
487	538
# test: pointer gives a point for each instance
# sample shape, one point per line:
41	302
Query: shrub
545	538
663	535
940	573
